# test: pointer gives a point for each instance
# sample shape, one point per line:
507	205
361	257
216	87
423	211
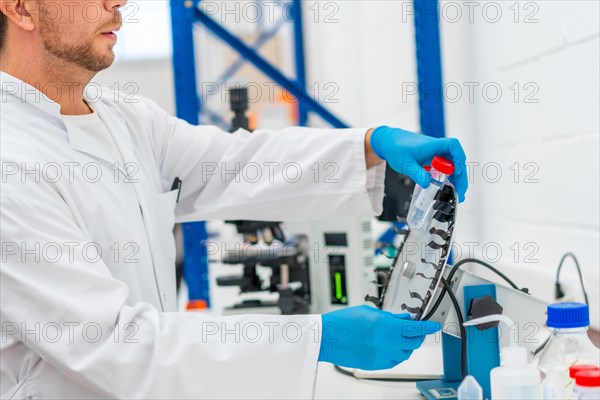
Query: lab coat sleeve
65	305
295	173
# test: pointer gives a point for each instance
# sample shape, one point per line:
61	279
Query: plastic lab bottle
587	385
573	371
515	378
422	199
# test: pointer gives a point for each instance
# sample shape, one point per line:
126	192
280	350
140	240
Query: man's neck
59	80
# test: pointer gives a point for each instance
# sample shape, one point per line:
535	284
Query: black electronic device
238	101
398	194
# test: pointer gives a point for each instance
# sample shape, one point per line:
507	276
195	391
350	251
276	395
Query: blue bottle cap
568	315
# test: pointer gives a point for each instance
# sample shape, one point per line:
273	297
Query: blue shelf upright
429	67
195	261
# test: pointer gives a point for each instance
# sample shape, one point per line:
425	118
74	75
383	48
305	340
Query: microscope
287	260
265	245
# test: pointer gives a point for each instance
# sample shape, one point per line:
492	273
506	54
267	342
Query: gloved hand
368	338
408	152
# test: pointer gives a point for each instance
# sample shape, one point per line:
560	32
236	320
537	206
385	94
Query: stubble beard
81	55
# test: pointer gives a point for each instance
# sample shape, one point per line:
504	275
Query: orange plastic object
196	305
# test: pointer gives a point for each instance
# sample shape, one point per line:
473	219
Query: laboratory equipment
288	262
569	343
422	199
515	378
254	231
420	279
573	371
238	102
479	352
587	385
398	194
470	389
340	258
419	264
320	267
265	245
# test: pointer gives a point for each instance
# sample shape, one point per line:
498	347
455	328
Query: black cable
488	266
463	330
559	293
455	268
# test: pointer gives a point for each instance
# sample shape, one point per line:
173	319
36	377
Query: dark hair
3	29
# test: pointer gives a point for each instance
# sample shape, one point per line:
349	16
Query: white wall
364	49
552	205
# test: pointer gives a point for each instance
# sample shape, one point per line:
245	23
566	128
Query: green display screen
337	276
338	285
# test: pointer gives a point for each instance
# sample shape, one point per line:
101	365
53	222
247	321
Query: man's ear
23	13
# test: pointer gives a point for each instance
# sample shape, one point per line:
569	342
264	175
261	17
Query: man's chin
105	64
101	62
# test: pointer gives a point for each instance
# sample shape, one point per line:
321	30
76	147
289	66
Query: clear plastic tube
423	199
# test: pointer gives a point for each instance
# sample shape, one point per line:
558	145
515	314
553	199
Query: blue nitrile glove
408	152
368	338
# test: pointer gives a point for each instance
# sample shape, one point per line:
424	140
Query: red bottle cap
573	370
444	166
588	378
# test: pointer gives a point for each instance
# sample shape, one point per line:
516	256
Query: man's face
81	32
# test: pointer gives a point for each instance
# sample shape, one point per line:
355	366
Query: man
87	279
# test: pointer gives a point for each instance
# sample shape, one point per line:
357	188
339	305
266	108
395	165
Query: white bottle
422	199
515	378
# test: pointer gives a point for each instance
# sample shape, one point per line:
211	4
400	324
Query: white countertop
332	384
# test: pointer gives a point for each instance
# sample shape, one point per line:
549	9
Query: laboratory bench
333	384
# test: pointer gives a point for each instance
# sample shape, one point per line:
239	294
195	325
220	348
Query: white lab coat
87	244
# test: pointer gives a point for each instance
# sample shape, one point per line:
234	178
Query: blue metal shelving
429	67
